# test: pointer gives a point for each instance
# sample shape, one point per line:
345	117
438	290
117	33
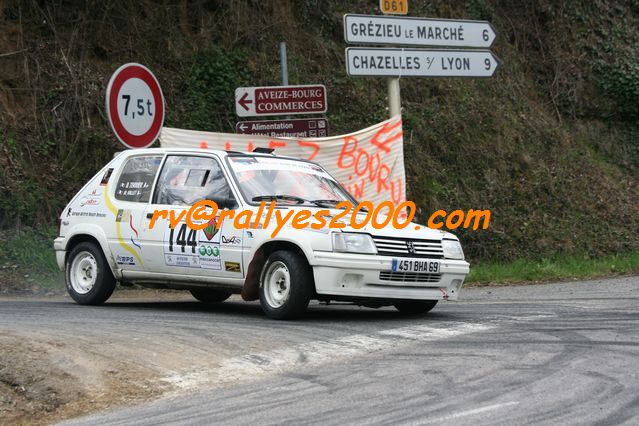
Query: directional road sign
298	128
420	62
280	100
135	105
367	29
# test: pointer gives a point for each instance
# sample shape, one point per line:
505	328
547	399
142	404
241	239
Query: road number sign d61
135	105
393	7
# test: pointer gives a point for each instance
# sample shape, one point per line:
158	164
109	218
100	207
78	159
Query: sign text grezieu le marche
367	29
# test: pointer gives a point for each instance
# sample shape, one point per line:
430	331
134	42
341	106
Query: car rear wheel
209	295
286	285
415	307
88	276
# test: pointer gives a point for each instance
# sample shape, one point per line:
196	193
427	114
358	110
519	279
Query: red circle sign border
119	77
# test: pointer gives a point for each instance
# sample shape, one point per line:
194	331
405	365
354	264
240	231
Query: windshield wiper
324	203
329	203
297	200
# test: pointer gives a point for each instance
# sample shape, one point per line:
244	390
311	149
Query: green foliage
479	9
209	89
29	251
620	80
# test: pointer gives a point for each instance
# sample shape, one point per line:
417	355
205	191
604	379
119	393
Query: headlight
452	249
353	243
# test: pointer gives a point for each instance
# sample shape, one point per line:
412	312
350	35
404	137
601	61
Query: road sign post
280	100
135	105
394	97
284	63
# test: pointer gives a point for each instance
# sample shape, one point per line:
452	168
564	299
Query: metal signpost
135	105
363	61
296	128
280	100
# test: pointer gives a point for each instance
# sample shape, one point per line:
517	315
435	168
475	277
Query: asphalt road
553	354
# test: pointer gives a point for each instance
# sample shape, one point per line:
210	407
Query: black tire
90	255
210	295
300	285
414	307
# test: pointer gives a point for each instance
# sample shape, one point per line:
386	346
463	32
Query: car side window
136	180
185	180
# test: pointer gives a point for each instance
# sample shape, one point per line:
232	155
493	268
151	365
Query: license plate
410	265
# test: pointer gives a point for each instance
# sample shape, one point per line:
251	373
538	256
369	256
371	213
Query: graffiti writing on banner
368	163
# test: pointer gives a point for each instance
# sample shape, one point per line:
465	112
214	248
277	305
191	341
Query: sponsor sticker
123	215
125	260
211	229
85	214
232	267
106	177
87	201
234	239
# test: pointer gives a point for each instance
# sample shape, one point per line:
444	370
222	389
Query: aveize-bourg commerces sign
280	100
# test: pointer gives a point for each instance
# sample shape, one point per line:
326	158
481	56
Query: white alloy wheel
84	272
277	284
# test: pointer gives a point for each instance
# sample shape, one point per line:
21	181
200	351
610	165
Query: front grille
410	277
399	247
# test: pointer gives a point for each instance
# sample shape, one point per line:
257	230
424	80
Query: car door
129	198
184	180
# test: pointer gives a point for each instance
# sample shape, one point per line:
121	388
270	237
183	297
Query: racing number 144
182	239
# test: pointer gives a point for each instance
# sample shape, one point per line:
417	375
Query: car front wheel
286	285
88	276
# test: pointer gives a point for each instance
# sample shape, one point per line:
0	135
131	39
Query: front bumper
356	275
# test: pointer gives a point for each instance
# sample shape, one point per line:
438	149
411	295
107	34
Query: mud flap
251	287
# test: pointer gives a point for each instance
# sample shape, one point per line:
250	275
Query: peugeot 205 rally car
105	237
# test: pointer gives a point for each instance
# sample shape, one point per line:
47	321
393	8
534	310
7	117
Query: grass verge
27	260
553	269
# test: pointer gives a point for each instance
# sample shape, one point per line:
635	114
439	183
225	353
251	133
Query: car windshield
285	181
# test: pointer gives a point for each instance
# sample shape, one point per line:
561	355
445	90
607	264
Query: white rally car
105	237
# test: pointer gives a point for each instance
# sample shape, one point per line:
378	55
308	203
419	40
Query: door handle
149	215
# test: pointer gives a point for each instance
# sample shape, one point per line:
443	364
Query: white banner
368	163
